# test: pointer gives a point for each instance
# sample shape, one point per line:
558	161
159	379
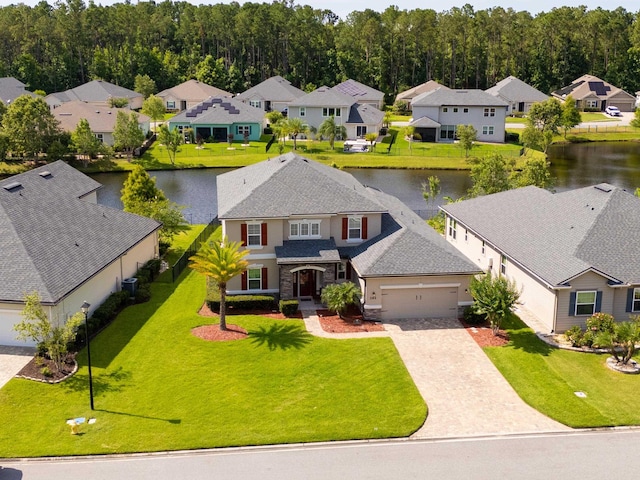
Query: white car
613	111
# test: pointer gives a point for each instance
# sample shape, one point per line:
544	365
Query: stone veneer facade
286	278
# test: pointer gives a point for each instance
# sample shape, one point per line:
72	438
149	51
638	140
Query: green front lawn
158	387
546	378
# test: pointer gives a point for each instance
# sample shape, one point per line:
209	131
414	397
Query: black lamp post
85	310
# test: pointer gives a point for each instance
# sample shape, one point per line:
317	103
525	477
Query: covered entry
426	128
413	301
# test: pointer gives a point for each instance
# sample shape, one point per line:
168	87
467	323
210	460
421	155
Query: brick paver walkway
12	359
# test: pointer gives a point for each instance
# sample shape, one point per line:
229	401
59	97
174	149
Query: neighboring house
189	94
96	92
436	114
518	94
11	88
363	94
572	253
324	102
274	94
307	225
409	95
590	92
58	241
102	120
216	118
637	99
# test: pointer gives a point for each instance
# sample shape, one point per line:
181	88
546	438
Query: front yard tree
30	125
220	261
330	130
467	136
84	141
50	337
570	115
153	107
127	134
294	127
495	297
340	296
171	139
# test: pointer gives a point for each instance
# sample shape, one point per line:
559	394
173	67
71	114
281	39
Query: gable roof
219	110
359	91
275	89
514	89
53	241
589	86
193	91
324	97
406	246
94	91
365	114
12	88
446	96
560	236
291	185
101	119
410	94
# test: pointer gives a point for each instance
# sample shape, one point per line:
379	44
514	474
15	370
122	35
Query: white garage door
440	302
7	334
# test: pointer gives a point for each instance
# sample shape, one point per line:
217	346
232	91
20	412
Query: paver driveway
12	359
464	391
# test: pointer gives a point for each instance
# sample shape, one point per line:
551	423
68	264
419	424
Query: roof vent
46	174
603	187
13	186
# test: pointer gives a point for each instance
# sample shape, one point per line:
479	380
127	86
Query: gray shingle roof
365	114
275	89
359	91
424	122
445	96
324	97
514	89
407	246
410	94
11	88
52	241
95	91
193	91
559	236
300	251
219	110
291	185
101	119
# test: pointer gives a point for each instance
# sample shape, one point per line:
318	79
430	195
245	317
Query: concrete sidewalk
465	392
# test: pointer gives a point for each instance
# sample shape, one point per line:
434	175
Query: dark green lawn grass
547	379
158	387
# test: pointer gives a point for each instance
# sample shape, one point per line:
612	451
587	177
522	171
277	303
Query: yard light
85	310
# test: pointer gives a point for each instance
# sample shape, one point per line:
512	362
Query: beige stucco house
572	253
593	93
56	240
518	94
273	94
95	92
307	225
189	94
408	95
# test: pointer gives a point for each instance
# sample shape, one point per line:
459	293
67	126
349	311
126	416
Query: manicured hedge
245	302
288	307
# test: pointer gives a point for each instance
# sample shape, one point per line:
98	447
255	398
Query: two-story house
324	102
437	113
274	94
307	225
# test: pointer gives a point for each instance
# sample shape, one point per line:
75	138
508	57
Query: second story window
254	234
331	112
304	229
503	264
453	225
355	228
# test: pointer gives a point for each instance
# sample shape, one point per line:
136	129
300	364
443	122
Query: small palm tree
294	127
340	296
329	129
622	342
220	261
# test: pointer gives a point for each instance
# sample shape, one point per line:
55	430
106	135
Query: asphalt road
572	456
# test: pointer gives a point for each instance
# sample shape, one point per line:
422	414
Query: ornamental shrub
288	307
471	317
601	322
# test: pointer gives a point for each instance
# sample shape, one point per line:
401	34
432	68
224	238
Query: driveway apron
12	360
465	393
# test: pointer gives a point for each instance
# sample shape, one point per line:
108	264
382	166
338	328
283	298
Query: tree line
232	46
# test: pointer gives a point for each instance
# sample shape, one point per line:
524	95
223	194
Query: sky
343	7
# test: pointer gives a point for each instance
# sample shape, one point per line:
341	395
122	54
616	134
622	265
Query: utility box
130	285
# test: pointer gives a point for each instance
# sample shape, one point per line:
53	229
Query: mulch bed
351	323
33	369
483	335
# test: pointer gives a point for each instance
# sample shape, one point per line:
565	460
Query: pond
574	166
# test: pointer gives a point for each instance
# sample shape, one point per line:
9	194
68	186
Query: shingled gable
53	241
285	186
560	236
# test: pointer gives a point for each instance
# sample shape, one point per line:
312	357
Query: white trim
261	256
466	303
308	267
372	307
251	292
254	266
419	285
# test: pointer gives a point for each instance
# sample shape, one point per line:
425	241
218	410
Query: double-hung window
636	300
487	129
244	130
503	264
489	112
355	228
341	272
254	234
585	303
453	225
304	229
254	279
303	111
331	112
171	105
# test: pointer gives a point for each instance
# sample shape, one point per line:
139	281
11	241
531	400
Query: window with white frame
331	112
636	300
455	109
585	303
171	105
304	229
341	272
445	109
254	279
487	129
244	129
503	264
448	132
303	111
483	248
361	130
489	112
100	137
466	235
355	228
465	110
256	103
453	225
592	103
254	234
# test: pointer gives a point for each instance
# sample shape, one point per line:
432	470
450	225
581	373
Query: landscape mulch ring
351	323
483	335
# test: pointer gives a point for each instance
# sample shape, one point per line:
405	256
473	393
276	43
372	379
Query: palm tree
339	296
294	127
220	261
330	130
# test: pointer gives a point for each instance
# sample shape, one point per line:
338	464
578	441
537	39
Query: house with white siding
572	253
308	225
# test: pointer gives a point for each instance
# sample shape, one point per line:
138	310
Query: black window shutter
629	300
572	304
598	301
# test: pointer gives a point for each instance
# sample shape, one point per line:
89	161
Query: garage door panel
420	303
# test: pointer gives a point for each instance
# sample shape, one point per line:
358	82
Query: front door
306	283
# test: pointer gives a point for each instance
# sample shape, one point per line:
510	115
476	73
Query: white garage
419	302
8	318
